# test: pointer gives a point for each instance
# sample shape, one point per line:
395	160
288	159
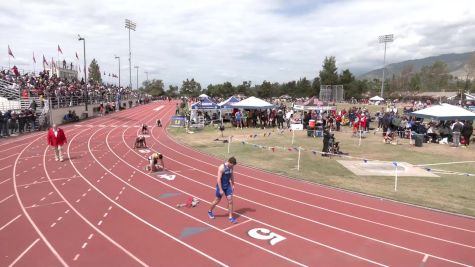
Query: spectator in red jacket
57	139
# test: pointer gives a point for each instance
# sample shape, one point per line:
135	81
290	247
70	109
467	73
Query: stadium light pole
131	26
117	57
146	73
85	77
388	38
137	67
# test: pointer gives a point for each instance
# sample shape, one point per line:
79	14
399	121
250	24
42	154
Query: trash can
418	139
456	138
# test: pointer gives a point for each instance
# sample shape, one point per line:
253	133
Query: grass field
449	192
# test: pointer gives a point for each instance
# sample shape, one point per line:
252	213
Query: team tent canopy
226	104
205	104
376	98
252	103
444	112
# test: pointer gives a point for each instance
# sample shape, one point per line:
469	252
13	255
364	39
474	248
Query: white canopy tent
376	98
444	112
203	96
252	103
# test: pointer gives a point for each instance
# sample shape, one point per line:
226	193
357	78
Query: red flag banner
59	50
10	52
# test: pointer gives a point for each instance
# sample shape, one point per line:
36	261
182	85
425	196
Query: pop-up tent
205	103
444	112
376	98
226	104
252	103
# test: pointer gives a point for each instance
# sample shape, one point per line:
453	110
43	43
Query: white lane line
89	190
11	221
77	201
76	257
90	236
50	193
117	197
84	245
83	195
99	223
37	206
24	252
66	212
237	224
105	214
120	193
5	180
52	225
59	218
6	167
1	201
110	207
425	258
43	198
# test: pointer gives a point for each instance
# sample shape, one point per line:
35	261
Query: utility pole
385	39
137	67
117	57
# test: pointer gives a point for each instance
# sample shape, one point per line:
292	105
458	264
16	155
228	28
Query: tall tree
346	77
316	86
470	72
303	88
153	87
265	89
172	91
244	88
328	74
94	71
190	88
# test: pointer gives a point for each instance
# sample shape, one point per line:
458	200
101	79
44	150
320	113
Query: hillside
455	63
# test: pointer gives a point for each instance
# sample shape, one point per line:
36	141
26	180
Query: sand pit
381	168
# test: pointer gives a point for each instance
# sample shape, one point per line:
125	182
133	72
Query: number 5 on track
265	234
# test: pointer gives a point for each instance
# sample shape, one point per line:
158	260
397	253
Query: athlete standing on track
225	185
57	139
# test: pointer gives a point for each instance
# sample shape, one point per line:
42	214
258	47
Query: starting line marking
169	177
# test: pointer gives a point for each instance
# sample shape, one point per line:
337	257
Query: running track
99	208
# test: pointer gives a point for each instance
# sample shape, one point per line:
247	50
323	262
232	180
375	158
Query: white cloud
216	41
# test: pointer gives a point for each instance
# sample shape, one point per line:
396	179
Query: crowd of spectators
64	92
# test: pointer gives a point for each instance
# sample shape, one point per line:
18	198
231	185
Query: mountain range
455	64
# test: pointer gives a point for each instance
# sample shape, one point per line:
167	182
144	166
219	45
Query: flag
59	50
44	61
10	52
77	55
34	59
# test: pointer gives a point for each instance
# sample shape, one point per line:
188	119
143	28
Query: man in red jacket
57	139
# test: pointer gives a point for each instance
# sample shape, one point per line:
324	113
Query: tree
328	75
303	88
94	71
265	89
316	86
470	70
190	88
244	88
346	77
153	87
172	91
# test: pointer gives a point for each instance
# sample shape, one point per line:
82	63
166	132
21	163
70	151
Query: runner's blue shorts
227	191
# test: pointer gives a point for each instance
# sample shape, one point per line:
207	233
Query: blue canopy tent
227	105
205	103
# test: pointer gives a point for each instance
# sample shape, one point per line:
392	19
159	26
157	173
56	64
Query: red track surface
99	208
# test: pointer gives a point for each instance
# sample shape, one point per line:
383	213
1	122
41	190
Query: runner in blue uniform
225	185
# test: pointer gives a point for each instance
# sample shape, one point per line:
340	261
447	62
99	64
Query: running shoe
232	220
210	214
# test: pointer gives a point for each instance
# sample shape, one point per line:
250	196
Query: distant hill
455	63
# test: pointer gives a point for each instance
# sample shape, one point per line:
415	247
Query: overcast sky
217	41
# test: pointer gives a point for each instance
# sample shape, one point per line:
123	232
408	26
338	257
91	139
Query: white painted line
105	214
43	198
66	212
59	218
77	201
6	167
5	180
445	163
237	224
23	253
76	257
90	236
99	223
425	258
63	183
50	193
1	201
110	207
84	245
89	190
52	225
11	221
83	195
120	193
123	188
117	197
43	205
